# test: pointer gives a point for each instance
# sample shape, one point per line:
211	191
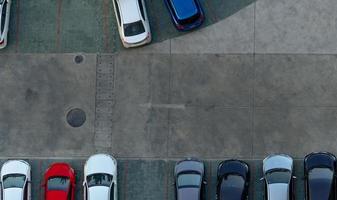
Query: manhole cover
79	59
76	117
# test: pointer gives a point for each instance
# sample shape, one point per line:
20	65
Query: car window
134	28
141	8
3	17
232	186
320	182
192	180
14	181
1	1
99	180
278	177
58	183
118	14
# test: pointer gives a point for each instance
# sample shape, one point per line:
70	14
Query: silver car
5	6
189	179
278	177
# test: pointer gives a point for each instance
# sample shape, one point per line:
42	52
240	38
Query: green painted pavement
65	26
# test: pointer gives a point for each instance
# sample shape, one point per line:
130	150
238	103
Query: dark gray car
189	179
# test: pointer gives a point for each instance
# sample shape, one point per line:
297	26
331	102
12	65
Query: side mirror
204	182
262	178
84	184
43	185
294	177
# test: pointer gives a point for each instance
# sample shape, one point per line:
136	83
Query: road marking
58	24
17	26
168	106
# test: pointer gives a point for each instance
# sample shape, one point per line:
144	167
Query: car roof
278	191
189	193
13	194
100	163
277	161
129	10
184	9
98	192
320	189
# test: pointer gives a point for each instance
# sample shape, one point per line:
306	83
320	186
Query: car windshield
282	176
99	180
14	181
320	180
134	28
232	187
191	180
58	183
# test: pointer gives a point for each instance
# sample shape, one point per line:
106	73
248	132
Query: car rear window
58	183
134	28
190	20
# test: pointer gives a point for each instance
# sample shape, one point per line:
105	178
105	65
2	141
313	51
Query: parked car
133	23
59	182
232	180
5	8
278	177
319	176
186	15
189	179
100	178
16	180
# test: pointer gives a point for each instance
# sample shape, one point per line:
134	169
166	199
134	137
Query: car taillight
180	27
2	41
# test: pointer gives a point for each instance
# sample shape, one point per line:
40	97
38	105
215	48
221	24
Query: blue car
186	14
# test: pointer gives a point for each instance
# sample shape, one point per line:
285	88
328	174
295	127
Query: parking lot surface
258	78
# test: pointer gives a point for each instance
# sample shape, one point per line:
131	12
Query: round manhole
76	117
79	59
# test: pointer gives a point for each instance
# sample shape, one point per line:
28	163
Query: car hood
15	167
189	165
12	194
188	193
277	162
98	193
278	191
56	195
100	163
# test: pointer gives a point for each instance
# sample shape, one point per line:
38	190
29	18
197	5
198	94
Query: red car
59	182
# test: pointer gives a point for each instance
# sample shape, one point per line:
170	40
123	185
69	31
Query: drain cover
76	117
78	59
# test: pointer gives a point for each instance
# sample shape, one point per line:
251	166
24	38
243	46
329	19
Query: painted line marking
169	106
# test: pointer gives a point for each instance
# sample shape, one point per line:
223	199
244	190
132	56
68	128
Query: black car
189	179
319	174
232	180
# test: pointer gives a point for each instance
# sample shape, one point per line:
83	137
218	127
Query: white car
16	180
5	6
133	23
278	177
100	178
